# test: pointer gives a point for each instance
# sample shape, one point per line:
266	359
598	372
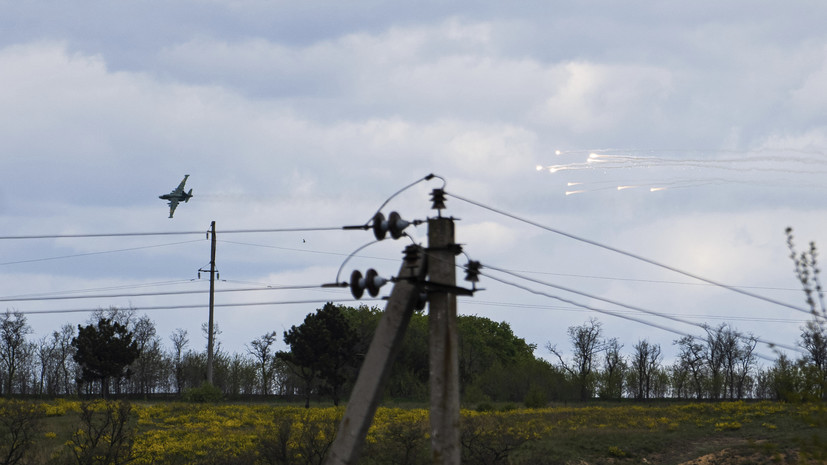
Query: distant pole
444	341
210	341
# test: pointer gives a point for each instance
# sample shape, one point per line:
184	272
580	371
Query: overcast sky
690	134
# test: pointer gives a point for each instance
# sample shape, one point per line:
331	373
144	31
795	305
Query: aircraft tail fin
189	194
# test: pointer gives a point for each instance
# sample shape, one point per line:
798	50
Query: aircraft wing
180	189
173	203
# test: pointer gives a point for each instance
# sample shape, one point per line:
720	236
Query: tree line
120	353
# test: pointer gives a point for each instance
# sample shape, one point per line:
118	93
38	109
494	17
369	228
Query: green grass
626	433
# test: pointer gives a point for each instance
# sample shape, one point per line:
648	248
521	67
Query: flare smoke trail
765	167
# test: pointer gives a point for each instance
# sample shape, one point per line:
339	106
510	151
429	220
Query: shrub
535	397
106	433
490	438
204	393
19	424
615	451
485	407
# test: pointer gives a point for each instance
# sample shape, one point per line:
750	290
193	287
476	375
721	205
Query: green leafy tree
495	364
104	351
483	343
322	347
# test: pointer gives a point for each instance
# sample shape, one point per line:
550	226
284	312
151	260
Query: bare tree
807	272
746	361
691	358
13	331
614	370
586	342
122	316
25	378
179	343
730	356
64	358
714	353
644	366
54	357
46	357
261	351
151	366
216	331
737	358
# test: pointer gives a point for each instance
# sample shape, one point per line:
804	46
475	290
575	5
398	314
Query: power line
426	178
61	257
200	306
652	281
154	294
625	317
631	255
614	302
174	233
573	309
108	288
293	249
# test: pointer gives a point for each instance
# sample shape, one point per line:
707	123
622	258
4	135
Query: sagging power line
629	254
632	318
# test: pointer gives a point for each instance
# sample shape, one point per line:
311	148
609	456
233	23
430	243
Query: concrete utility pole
444	342
210	341
439	264
367	392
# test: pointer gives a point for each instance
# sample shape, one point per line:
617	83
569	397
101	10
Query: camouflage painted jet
177	195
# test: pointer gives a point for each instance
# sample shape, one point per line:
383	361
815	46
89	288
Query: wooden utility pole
444	342
367	392
210	338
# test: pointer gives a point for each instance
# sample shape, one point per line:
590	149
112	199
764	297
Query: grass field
669	433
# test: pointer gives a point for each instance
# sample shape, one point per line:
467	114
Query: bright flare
655	189
574	192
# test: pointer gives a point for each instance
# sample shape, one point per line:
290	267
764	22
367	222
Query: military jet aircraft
177	195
